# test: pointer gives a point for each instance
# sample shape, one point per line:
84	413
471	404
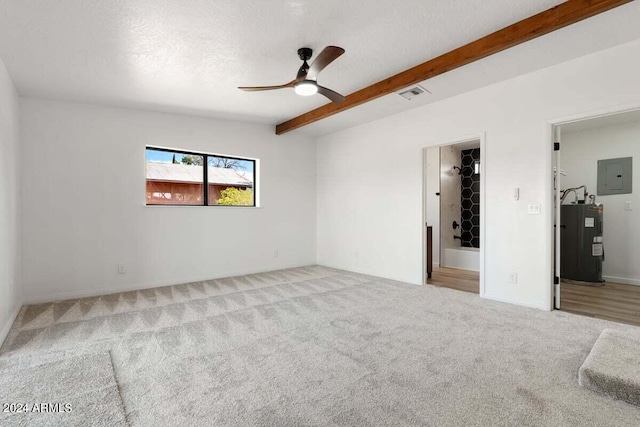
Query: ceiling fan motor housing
304	53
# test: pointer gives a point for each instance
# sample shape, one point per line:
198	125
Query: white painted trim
594	114
516	302
556	182
621	280
549	217
423	226
61	296
586	115
483	194
5	330
483	209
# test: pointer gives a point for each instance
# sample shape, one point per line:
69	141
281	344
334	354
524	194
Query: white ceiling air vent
412	92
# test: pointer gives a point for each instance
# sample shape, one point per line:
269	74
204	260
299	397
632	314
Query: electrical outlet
275	253
534	209
628	206
122	269
513	278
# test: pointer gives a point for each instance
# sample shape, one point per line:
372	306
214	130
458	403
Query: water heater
581	246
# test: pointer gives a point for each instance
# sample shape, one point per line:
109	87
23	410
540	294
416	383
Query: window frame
205	176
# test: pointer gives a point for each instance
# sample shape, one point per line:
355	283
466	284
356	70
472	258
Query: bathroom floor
455	278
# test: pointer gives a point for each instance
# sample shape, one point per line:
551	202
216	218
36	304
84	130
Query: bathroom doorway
453	212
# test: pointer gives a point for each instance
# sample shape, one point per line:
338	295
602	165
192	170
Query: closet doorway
596	200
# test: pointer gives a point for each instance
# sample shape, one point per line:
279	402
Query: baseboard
515	302
6	328
621	280
368	273
61	296
462	269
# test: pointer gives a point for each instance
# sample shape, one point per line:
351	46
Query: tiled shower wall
470	199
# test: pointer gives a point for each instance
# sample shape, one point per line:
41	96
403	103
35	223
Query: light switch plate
628	206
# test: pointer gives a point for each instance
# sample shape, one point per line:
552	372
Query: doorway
453	213
596	227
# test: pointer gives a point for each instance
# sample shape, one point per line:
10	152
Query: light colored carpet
75	391
613	366
317	346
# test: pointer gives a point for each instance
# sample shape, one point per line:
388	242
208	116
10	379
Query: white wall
10	291
581	151
370	213
450	199
84	202
432	202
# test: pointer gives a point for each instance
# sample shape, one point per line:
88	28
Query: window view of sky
167	157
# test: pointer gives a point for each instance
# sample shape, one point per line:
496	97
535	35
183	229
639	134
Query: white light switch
628	206
534	209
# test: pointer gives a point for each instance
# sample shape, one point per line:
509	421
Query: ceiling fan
305	83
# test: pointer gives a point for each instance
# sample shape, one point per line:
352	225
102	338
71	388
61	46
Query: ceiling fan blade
324	58
335	97
259	88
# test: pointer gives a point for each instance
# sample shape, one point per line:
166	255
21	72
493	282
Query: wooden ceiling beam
557	17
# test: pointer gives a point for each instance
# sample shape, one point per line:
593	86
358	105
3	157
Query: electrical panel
615	176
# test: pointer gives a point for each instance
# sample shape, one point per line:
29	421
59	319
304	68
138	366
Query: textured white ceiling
609	29
189	56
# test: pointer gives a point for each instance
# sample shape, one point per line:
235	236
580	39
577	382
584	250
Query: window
178	178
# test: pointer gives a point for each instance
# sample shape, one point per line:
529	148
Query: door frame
483	167
551	126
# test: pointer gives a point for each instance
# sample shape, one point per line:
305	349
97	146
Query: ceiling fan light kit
306	88
305	83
